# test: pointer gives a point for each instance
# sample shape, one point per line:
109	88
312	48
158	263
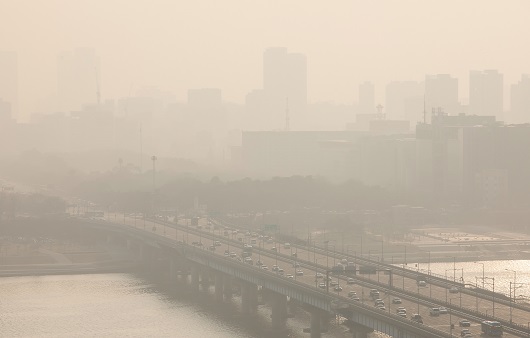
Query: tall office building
78	79
486	93
9	81
520	101
441	91
285	78
366	98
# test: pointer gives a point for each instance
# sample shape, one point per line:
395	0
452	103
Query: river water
516	272
118	305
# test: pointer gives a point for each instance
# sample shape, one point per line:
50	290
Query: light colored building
441	91
486	93
9	81
520	101
78	79
366	98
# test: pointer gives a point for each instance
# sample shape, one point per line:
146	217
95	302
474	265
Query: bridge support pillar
324	321
316	321
227	286
172	270
279	311
205	280
249	298
219	287
195	277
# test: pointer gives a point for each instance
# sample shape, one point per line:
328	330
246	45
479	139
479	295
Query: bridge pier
195	277
172	269
219	287
205	280
249	298
279	311
324	321
227	287
316	321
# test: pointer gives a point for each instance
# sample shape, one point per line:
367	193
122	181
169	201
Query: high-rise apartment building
486	93
9	81
78	79
520	101
441	91
366	98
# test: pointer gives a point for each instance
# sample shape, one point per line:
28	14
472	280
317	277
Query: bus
491	328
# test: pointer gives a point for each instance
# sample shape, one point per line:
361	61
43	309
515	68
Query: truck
350	269
337	269
491	328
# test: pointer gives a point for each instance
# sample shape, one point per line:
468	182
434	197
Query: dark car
464	323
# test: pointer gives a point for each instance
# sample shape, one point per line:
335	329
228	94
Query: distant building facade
520	101
9	81
486	93
441	91
78	79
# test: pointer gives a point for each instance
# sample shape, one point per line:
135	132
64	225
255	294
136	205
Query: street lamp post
482	272
512	298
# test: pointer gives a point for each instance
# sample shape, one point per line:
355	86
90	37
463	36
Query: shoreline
66	269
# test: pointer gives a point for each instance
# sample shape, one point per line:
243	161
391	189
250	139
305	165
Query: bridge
173	251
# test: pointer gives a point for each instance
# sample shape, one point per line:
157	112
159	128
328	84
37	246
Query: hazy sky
193	44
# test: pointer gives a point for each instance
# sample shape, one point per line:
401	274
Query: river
112	305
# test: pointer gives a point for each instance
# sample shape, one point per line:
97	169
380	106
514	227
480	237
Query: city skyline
348	44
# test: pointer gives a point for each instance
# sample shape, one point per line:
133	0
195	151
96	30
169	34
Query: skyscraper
486	93
520	101
285	80
366	98
441	91
78	79
9	81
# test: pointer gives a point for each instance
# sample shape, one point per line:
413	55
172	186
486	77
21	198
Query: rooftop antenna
287	114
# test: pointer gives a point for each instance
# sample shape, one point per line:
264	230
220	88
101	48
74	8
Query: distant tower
379	108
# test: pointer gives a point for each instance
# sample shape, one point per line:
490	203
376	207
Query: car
402	314
233	254
396	301
464	332
333	283
464	323
443	311
422	283
338	288
351	281
264	267
417	318
352	293
319	275
273	248
355	298
296	265
322	285
401	309
454	289
275	267
280	271
434	311
299	272
211	248
290	276
468	335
